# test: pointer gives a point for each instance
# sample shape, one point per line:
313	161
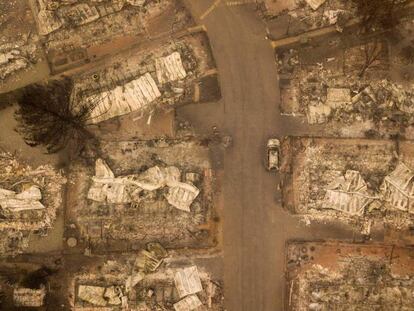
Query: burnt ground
58	273
126	227
319	270
255	225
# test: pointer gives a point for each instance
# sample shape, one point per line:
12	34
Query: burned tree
373	53
48	116
379	14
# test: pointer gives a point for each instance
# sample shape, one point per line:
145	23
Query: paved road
256	228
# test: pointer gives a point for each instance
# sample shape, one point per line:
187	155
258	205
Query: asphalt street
256	228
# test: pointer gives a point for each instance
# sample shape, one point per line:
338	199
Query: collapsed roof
99	295
129	284
27	297
125	189
52	15
29	201
189	303
187	280
170	68
138	94
132	96
398	188
315	4
26	200
348	194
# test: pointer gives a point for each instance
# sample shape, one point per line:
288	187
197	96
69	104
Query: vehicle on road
272	154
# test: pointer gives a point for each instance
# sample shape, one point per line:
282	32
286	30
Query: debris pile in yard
55	15
107	188
159	82
348	194
27	297
353	181
77	32
171	284
345	88
363	279
29	201
151	191
310	14
398	188
383	101
11	60
360	280
157	78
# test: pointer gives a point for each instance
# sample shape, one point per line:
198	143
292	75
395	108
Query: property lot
345	87
340	276
156	77
168	195
176	282
347	181
30	201
76	33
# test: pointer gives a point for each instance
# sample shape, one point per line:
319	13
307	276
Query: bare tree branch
47	117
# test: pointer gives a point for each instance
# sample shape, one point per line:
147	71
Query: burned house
398	188
346	87
79	32
348	194
177	283
29	202
106	188
356	181
307	15
145	191
338	276
150	79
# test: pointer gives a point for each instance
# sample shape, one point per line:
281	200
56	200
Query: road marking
210	9
197	28
240	2
196	97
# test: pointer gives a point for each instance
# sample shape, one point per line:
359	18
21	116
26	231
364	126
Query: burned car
272	154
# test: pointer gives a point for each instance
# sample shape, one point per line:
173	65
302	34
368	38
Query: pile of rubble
72	25
19	45
349	194
312	13
28	297
53	15
383	102
333	181
29	200
107	188
152	79
152	191
147	282
161	80
11	60
345	89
